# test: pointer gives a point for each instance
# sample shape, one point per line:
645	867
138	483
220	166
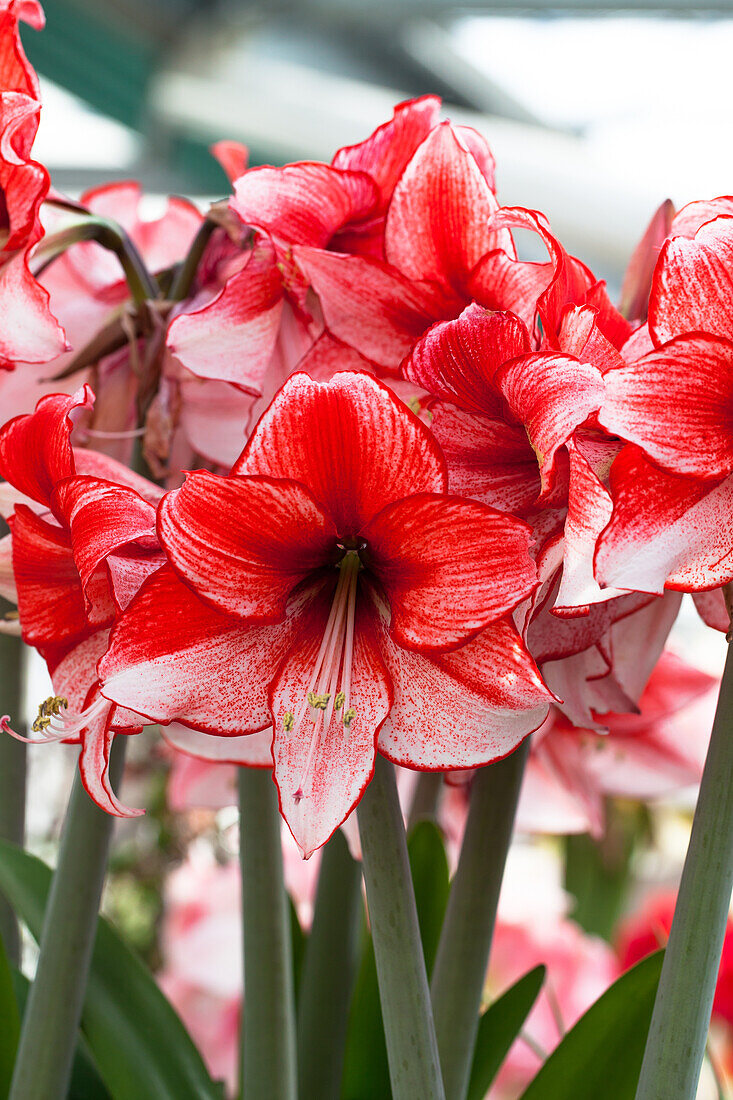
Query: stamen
52	724
332	667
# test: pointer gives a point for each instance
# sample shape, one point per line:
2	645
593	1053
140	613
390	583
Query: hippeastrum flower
30	332
672	488
352	604
81	546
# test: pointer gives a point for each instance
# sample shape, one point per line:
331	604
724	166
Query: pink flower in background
579	969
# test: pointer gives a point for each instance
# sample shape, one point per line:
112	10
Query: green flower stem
49	1033
268	1020
426	798
12	775
110	235
465	940
328	973
184	277
414	1068
678	1031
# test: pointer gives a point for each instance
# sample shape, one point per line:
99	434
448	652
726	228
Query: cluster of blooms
442	496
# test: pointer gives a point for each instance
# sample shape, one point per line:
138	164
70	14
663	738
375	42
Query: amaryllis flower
34	335
81	546
332	588
672	488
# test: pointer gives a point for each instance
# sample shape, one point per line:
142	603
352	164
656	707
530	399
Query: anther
349	717
340	700
318	702
288	721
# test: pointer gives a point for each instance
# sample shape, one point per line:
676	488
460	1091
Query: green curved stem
51	1020
465	939
186	273
678	1031
268	1020
12	776
328	973
412	1051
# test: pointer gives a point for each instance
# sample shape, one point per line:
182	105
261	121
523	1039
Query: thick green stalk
426	798
465	940
328	973
12	775
268	1020
414	1068
678	1031
49	1033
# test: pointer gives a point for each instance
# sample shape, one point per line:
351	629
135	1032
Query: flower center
329	689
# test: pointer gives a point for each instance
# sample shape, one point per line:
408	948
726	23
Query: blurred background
596	111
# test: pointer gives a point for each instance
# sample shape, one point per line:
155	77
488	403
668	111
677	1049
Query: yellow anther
288	721
349	717
319	702
339	700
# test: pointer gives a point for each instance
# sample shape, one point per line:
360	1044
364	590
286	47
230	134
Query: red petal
449	566
437	221
692	289
50	599
637	282
369	305
581	337
232	156
712	609
458	359
330	784
171	656
244	543
350	441
551	395
487	459
35	451
35	336
101	518
232	338
589	511
385	153
303	204
465	709
690	218
676	404
665	529
96	742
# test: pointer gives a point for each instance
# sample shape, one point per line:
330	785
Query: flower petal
677	404
321	774
252	750
448	566
35	449
551	395
369	305
665	530
458	360
232	337
487	459
637	283
385	153
96	742
437	223
465	709
243	544
35	335
232	156
350	441
101	518
692	290
171	656
305	203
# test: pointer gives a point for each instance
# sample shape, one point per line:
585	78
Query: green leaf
86	1084
10	1027
139	1044
430	878
498	1028
600	1058
366	1070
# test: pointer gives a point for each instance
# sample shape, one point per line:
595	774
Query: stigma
329	689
